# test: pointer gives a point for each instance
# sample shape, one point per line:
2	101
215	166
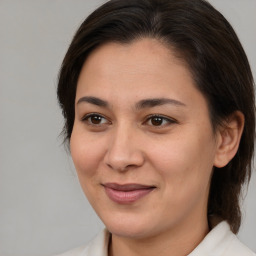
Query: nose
124	151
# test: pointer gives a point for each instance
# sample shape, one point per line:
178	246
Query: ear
228	139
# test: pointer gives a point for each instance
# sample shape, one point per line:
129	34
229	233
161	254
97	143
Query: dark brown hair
203	38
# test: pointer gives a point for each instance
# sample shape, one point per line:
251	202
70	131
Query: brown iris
96	119
156	121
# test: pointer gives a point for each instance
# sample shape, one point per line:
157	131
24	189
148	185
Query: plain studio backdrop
42	209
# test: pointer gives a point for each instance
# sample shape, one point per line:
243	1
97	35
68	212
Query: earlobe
228	139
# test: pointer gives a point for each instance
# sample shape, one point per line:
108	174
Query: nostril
121	168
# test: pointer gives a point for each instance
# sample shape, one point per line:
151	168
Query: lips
127	193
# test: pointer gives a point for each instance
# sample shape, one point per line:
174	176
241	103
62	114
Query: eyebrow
94	101
150	103
145	103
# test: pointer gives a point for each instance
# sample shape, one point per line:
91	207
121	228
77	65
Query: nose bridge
123	150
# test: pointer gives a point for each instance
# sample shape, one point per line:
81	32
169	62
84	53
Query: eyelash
167	120
87	117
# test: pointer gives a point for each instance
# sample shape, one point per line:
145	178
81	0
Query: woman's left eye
159	121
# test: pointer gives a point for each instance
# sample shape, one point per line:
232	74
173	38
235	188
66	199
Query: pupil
157	121
96	119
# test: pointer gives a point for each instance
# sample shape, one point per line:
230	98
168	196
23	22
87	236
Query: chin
128	232
130	228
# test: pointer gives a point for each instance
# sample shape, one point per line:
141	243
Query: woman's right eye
95	119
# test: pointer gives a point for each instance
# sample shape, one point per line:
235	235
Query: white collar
215	242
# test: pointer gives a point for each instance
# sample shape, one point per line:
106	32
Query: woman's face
142	141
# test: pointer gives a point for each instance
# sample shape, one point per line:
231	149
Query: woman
158	102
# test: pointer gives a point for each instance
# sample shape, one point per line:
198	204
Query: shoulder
97	247
237	248
220	241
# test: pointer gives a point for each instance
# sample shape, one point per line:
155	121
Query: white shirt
220	241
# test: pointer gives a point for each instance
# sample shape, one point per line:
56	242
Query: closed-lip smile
126	193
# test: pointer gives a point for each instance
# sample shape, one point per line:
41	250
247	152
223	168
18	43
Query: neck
179	241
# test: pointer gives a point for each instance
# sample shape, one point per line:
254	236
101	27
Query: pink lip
127	193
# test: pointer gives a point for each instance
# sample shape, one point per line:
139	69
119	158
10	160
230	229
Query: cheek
86	152
184	162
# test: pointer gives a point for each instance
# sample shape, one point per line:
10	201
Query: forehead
139	63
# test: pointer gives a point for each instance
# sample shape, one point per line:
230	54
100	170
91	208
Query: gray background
42	208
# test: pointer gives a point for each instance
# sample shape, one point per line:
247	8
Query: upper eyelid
161	116
93	114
